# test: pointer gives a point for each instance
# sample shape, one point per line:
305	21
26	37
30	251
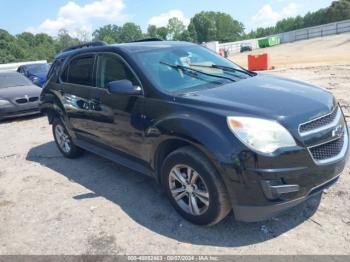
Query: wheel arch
204	133
169	145
52	106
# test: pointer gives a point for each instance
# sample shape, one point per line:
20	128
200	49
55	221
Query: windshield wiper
227	68
184	68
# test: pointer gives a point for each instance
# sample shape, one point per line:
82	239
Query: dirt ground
53	205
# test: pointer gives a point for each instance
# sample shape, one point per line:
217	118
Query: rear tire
64	141
194	187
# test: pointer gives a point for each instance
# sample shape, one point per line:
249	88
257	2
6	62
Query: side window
111	68
64	74
53	68
80	71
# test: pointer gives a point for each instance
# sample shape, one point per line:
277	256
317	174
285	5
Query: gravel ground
53	205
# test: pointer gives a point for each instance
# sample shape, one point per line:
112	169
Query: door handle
95	104
96	100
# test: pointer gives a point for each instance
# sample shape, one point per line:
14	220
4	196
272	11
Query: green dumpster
269	41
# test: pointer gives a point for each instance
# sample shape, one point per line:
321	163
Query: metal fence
316	31
296	35
235	47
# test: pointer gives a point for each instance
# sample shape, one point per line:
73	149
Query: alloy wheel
189	190
62	138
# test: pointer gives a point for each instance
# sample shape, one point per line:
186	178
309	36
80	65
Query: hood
269	97
11	93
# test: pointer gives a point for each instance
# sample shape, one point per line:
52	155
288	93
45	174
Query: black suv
216	136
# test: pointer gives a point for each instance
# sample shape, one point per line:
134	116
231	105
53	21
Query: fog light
273	189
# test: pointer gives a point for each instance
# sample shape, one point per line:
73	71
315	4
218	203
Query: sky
46	16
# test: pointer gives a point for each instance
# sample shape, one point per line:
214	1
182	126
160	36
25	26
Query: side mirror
123	87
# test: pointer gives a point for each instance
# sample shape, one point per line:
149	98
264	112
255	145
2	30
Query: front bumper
19	110
294	170
259	213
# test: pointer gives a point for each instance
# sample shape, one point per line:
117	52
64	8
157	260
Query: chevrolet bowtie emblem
338	131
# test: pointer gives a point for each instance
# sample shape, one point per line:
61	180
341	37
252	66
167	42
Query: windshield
38	68
11	80
164	67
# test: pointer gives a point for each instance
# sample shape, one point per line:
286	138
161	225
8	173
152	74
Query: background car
37	73
246	47
18	96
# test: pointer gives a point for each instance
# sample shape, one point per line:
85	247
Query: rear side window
80	71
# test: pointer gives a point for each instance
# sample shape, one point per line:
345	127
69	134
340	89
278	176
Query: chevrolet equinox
215	136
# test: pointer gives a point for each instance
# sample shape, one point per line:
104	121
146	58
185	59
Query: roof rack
86	45
147	40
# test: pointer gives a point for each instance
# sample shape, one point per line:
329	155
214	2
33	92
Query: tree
157	32
227	29
64	40
44	47
82	35
130	32
28	38
152	31
339	10
175	28
108	33
10	51
215	26
162	32
315	18
185	36
202	28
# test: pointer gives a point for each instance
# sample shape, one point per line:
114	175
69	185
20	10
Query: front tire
194	187
64	141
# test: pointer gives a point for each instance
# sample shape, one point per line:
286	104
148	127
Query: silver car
18	96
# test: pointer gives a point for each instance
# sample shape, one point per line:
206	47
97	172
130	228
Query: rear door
76	84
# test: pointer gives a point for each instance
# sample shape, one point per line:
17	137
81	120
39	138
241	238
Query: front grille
319	122
21	100
27	99
33	99
328	150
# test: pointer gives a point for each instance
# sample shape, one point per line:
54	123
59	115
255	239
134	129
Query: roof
144	46
127	47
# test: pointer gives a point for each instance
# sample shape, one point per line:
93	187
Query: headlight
4	102
259	134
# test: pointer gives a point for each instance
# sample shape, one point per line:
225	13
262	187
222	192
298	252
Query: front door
120	116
